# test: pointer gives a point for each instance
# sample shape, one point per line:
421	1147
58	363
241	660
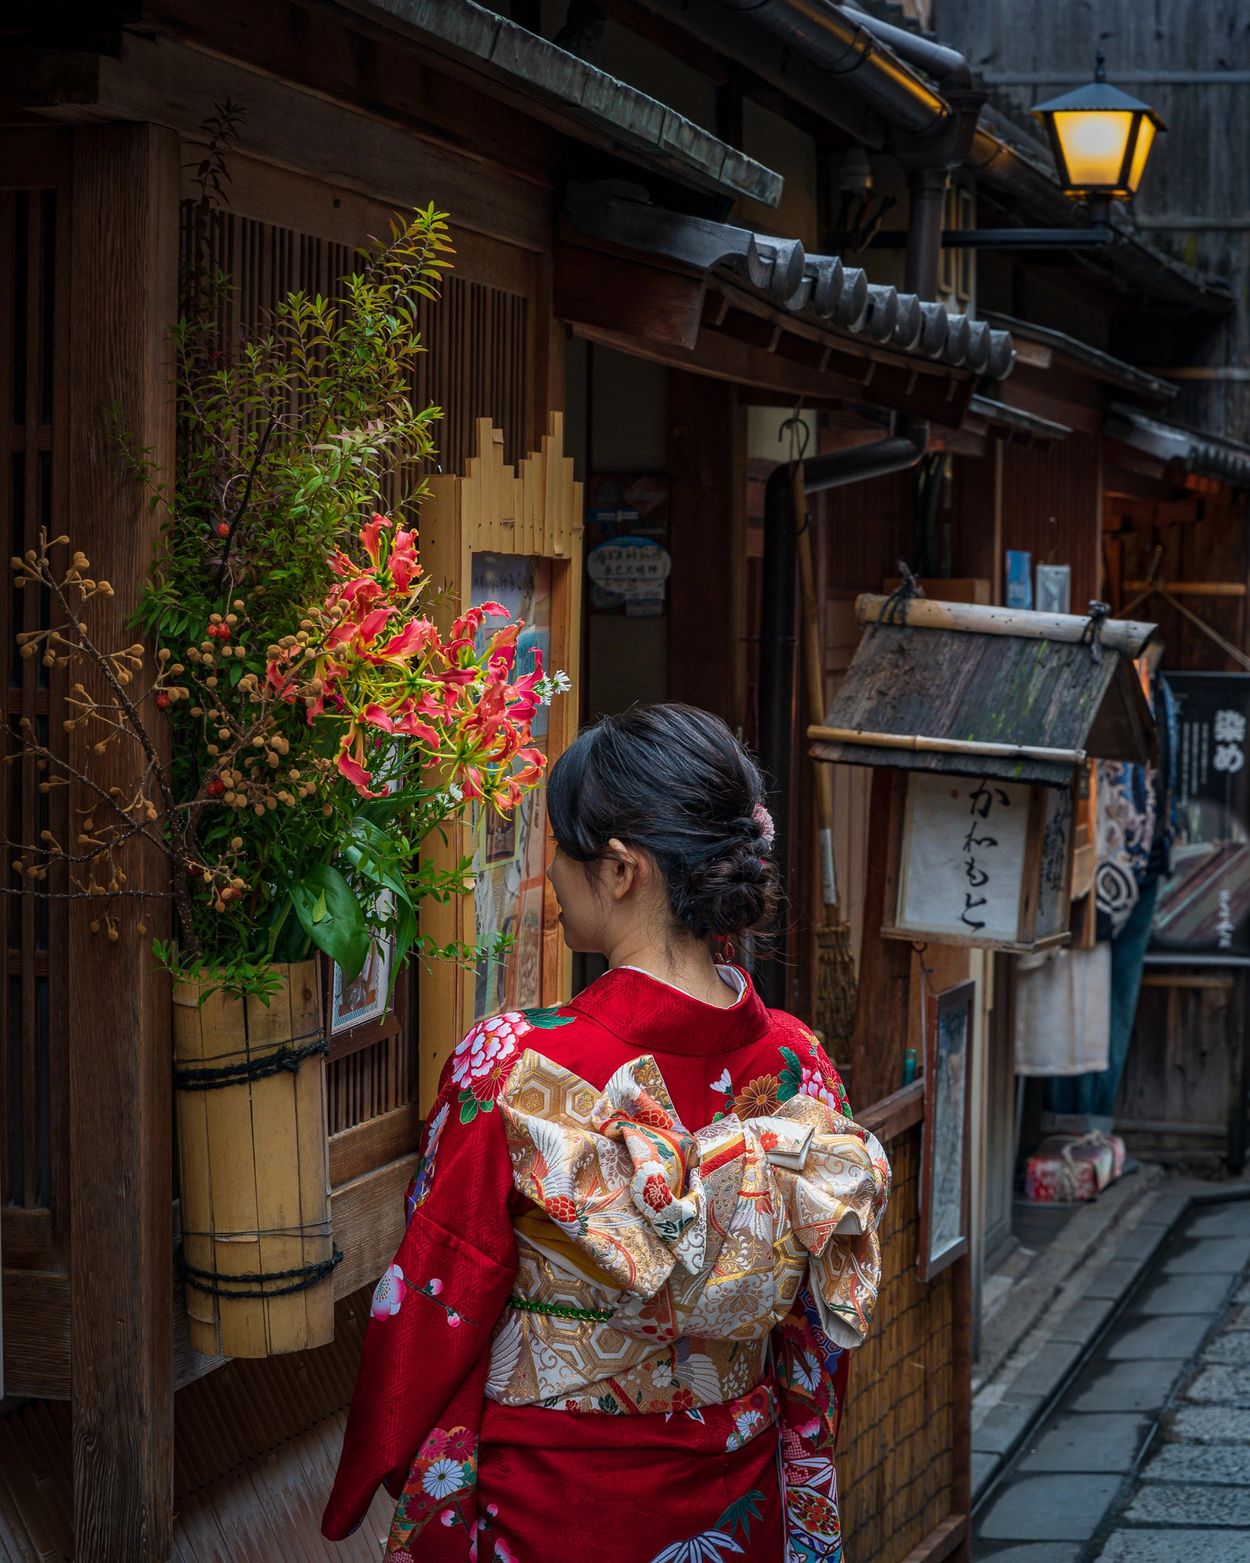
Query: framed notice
1202	914
978	861
944	1142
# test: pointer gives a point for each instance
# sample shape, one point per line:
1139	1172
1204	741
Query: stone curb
1064	1333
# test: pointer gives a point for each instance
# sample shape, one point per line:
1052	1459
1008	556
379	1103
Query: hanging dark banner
1202	915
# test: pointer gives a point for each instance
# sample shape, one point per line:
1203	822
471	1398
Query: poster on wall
944	1144
626	532
1202	915
510	859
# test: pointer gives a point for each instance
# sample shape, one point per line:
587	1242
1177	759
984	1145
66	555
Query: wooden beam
628	295
160	81
123	232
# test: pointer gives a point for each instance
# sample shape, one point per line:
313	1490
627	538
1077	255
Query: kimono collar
656	1017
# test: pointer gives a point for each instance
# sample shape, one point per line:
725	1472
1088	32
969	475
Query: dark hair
675	782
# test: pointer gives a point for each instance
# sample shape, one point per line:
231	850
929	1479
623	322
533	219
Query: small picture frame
944	1142
357	1012
362	1002
1054	588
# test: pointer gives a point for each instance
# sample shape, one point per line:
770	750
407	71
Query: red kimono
609	1334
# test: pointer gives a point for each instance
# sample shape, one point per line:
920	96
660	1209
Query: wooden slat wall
899	1446
33	278
1050	504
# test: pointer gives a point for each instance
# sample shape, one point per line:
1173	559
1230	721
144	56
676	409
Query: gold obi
654	1261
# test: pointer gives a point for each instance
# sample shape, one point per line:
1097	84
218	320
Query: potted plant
319	729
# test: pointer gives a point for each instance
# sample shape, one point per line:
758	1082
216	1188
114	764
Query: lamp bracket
1088	237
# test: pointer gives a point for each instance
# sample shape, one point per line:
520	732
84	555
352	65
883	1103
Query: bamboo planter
257	1246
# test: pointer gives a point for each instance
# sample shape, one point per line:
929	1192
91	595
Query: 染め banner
1203	910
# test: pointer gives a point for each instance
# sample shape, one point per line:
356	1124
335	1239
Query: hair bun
733	891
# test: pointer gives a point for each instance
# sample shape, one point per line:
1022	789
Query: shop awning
755	308
1204	455
983	691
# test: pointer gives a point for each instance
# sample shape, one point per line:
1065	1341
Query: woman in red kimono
642	1232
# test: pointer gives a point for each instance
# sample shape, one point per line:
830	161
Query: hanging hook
798	431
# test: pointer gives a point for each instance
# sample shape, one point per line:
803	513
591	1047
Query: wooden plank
27	1236
311	1135
36	1333
358	1150
942	1542
894	1114
368	1217
123	304
275	1164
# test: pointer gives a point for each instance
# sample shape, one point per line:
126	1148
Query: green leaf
791	1075
738	1516
404	937
340	929
547	1019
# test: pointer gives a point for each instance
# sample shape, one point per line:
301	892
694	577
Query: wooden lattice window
476	336
33	1016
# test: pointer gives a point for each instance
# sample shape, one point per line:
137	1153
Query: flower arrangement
304	726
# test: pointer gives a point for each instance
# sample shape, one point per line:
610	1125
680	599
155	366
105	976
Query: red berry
222	529
216	787
223	632
162	699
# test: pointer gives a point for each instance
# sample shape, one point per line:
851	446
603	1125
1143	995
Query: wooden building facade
670	247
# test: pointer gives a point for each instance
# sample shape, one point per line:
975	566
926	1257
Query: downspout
929	159
778	715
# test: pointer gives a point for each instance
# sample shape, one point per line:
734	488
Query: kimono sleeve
419	1390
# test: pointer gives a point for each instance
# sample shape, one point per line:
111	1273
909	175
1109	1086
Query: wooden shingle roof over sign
981	691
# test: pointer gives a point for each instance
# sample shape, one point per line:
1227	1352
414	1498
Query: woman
643	1226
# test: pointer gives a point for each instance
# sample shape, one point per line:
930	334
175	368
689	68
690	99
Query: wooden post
882	1014
123	300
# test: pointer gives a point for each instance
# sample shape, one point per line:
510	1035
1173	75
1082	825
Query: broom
836	993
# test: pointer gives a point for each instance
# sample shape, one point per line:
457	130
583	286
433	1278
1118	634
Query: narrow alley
1146	1457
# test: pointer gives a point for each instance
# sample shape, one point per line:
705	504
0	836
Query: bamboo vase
254	1161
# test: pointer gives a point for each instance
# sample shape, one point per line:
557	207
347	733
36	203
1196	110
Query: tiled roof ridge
821	288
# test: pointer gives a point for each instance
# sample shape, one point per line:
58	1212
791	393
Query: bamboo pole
815	670
917	744
1191	588
1129	636
836	993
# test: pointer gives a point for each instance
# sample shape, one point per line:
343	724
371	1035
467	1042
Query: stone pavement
1146	1457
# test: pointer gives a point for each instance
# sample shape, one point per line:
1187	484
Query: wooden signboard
513	536
978	861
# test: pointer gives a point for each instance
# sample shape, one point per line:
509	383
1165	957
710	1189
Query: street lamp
1101	138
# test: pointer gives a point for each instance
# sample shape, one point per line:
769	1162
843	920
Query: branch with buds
111	713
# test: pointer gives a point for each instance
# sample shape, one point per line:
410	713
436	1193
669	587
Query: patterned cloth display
598	1310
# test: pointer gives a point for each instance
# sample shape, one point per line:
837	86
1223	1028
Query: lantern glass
1094	142
1145	140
